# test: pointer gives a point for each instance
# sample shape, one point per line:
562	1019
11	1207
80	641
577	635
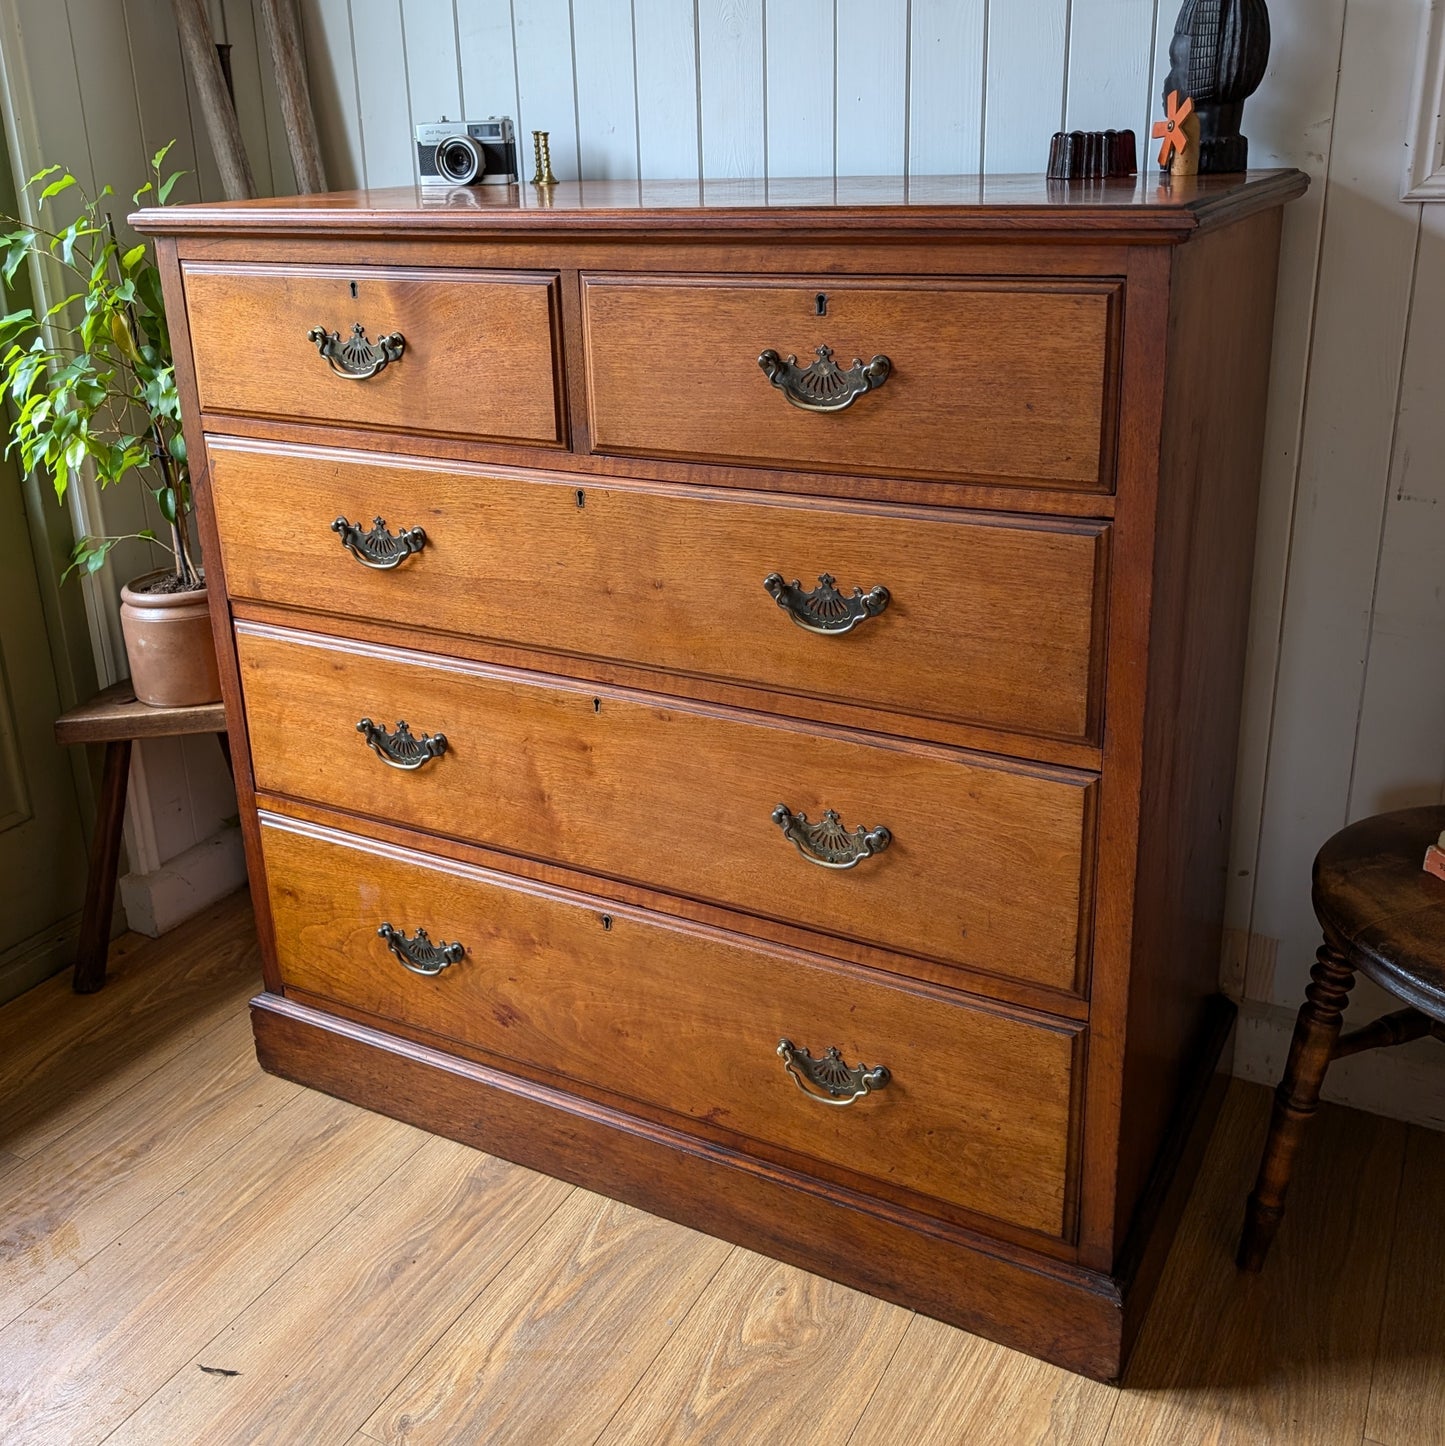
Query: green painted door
42	841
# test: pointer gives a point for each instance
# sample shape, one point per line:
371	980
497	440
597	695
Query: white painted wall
1345	709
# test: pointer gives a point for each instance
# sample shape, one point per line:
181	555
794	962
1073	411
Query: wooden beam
283	34
199	45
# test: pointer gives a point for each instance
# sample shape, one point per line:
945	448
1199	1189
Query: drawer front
976	1111
480	357
998	381
990	622
986	865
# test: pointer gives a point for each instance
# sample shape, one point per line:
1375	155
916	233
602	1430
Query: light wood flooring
194	1252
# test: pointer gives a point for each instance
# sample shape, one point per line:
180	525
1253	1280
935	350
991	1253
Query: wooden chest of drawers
791	795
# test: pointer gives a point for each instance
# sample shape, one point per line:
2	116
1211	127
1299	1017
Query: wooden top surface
1372	894
116	713
1151	208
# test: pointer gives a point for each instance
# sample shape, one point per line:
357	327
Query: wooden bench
117	719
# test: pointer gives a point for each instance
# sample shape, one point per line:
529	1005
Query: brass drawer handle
379	548
827	843
419	954
823	386
825	609
356	359
842	1084
401	749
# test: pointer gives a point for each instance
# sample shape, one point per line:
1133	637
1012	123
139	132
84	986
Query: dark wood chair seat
116	718
1383	916
1378	906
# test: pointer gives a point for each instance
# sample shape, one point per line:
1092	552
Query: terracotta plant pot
168	642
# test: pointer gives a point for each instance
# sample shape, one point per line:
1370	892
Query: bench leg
104	865
1296	1099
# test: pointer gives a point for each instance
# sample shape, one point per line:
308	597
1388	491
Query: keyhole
597	705
353	294
607	921
581	497
820	304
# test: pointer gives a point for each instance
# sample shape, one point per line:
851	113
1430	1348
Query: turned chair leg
1296	1099
104	865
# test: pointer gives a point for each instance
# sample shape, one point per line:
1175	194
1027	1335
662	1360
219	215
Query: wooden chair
116	719
1383	916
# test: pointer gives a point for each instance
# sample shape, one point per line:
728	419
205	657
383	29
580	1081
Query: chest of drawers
791	795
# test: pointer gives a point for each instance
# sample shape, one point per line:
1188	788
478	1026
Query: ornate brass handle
379	548
842	1084
356	359
825	609
401	749
419	954
827	843
823	386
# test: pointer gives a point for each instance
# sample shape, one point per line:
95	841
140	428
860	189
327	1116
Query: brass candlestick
542	149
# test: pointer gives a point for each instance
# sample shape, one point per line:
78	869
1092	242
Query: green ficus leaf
166	500
131	257
41	175
163	193
159	156
56	187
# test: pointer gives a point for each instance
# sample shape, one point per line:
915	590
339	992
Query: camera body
467	153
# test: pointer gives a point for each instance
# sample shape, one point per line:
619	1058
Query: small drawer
985	620
997	381
478	353
978	864
977	1105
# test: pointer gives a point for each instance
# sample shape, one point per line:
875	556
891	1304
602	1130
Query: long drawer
983	865
1009	381
977	1104
478	356
990	621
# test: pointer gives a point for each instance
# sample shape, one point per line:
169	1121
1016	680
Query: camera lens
460	160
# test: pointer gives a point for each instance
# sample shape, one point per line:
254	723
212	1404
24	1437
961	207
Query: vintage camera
467	153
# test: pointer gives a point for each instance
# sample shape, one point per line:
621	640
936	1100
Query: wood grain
70	1200
356	1313
59	1067
987	865
989	621
828	1343
977	1112
988	380
459	326
941	1386
1407	1395
1286	1356
171	1282
115	713
550	1352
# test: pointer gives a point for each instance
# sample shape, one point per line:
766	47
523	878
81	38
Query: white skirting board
186	884
1404	1083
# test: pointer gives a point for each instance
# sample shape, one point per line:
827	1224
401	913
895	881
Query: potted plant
92	382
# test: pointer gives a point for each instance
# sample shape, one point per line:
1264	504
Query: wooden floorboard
553	1348
1283	1358
65	1056
165	1207
1407	1399
355	1314
943	1386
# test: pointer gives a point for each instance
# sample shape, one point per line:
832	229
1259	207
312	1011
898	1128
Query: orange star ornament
1171	129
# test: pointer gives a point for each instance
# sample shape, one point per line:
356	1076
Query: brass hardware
379	548
401	749
843	1084
827	843
823	386
542	151
355	359
825	609
419	954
